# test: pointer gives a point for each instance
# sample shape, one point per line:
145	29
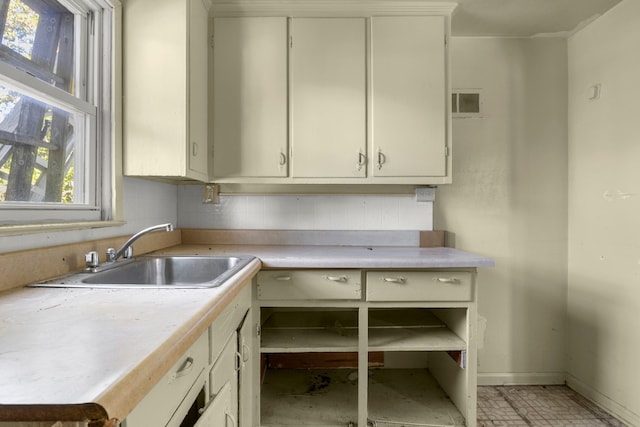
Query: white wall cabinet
328	97
367	97
408	96
165	89
426	334
250	97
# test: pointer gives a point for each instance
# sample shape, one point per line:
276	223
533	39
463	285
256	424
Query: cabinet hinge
211	41
258	330
290	41
446	151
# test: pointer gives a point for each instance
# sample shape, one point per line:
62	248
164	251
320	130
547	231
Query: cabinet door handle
362	160
282	278
194	148
446	280
239	362
381	159
245	353
184	369
283	159
229	417
337	278
398	279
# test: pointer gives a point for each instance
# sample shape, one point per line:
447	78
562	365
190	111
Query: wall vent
466	103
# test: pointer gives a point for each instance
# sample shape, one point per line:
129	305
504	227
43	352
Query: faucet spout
126	251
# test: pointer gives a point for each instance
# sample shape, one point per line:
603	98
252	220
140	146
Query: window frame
99	96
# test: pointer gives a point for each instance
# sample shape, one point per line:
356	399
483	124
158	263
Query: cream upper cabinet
250	97
340	94
165	86
328	97
408	96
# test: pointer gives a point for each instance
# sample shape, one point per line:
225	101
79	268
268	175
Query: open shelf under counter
309	397
415	339
293	331
410	397
411	329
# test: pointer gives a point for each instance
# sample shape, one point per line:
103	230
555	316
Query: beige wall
604	212
508	201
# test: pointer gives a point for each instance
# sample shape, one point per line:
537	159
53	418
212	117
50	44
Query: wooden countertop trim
44	413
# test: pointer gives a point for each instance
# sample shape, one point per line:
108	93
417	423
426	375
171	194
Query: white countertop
99	351
373	257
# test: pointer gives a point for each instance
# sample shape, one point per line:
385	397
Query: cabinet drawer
228	321
419	286
162	401
309	284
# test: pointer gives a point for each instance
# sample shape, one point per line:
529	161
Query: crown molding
330	8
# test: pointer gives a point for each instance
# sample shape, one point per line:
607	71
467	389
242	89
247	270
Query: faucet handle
92	259
111	254
128	253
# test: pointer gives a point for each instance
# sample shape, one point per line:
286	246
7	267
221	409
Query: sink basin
158	272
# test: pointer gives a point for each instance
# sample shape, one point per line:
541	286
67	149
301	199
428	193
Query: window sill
17	230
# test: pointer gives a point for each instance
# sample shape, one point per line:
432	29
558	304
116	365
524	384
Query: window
55	109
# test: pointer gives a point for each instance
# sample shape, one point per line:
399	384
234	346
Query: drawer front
228	321
419	286
309	284
162	401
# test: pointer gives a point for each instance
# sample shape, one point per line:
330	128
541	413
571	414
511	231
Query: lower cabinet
180	389
205	386
377	357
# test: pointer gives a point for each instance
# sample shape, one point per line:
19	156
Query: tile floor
539	406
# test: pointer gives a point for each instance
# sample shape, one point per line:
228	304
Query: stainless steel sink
158	272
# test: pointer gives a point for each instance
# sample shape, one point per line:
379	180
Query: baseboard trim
603	401
526	378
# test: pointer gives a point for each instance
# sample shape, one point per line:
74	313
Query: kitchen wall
304	212
604	212
145	203
508	202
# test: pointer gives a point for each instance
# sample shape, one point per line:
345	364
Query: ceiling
524	18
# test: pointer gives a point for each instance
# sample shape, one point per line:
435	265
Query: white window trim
106	210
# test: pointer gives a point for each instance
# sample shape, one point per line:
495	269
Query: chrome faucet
126	251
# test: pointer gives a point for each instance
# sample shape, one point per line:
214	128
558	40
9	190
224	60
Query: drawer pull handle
184	369
398	279
337	278
446	280
283	278
229	417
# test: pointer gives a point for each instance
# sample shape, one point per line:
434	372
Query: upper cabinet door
250	97
198	77
408	89
328	97
164	78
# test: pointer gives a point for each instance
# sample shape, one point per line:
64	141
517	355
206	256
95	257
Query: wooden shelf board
414	339
309	340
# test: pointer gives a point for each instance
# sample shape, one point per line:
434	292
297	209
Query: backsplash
303	212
